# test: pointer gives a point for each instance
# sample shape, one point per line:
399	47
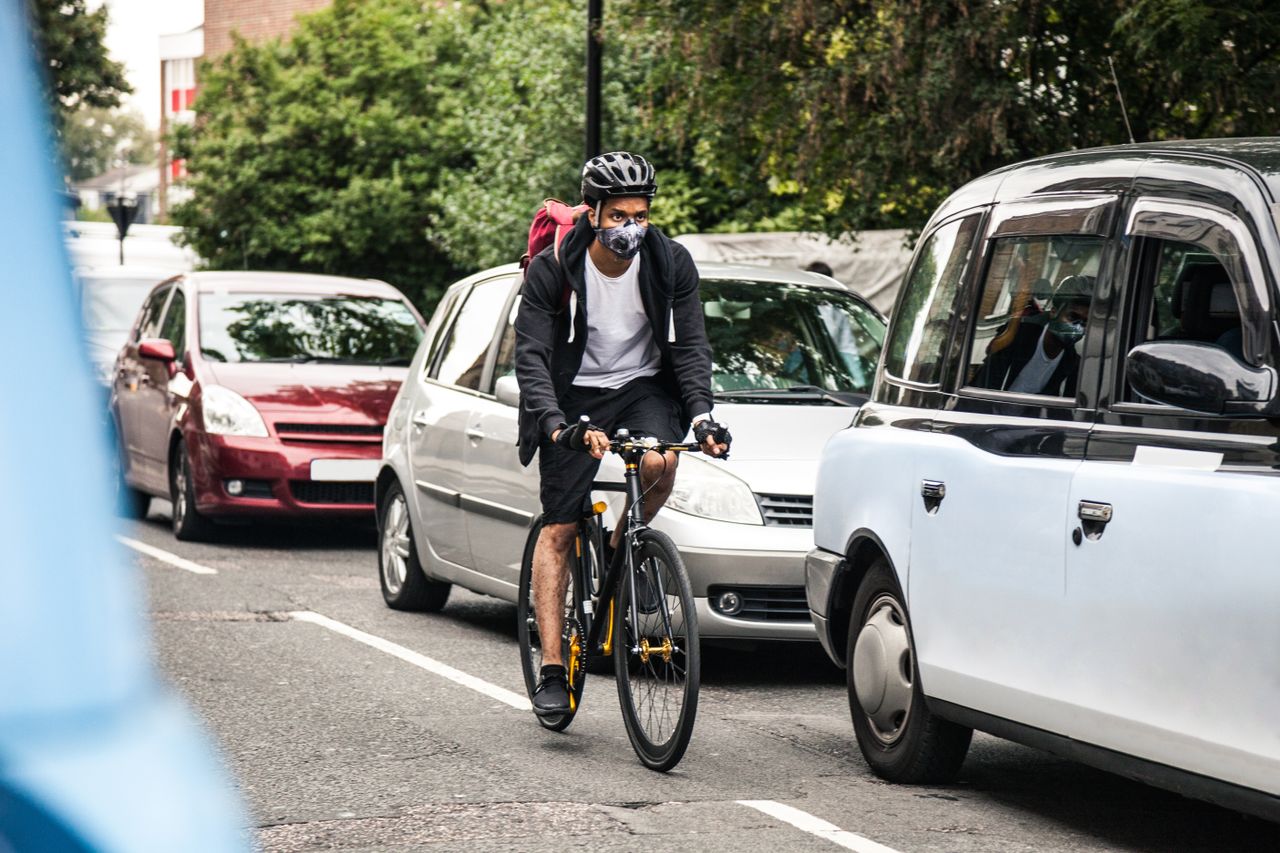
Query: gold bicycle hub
664	650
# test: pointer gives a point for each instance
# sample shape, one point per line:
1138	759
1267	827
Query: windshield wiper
794	392
395	361
304	359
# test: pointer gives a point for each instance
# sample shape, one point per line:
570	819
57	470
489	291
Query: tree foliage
322	154
96	138
71	41
863	113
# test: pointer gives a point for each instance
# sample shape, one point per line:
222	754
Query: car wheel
404	585
188	524
898	736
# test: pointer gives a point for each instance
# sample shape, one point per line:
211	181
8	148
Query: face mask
623	240
1068	333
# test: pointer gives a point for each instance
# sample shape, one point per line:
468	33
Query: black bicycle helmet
617	174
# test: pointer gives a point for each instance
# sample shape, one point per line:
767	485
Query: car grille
768	603
313	492
787	510
364	433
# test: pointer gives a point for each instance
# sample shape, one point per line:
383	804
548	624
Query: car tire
188	524
899	737
405	586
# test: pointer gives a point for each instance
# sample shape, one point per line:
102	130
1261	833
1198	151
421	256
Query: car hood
326	390
775	447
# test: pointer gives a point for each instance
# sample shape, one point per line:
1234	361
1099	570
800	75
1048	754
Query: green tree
96	139
864	113
71	40
321	154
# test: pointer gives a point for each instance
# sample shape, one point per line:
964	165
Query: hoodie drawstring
573	313
671	324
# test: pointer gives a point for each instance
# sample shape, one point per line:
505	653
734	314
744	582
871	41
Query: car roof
1113	168
708	270
125	273
289	282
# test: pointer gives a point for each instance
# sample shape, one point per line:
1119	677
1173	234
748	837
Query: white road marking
493	691
816	826
165	556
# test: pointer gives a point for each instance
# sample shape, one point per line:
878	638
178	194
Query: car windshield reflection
782	342
305	329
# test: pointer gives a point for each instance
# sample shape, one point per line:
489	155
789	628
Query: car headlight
227	413
703	490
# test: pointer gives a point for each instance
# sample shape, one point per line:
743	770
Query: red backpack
551	224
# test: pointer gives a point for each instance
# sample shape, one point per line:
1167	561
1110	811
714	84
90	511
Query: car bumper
278	476
820	569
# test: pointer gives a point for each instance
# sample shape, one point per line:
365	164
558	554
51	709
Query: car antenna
1120	97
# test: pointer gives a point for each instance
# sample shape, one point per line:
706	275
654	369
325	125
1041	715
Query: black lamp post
595	47
123	211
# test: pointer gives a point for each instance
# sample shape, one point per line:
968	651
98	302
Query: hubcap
180	493
883	675
395	545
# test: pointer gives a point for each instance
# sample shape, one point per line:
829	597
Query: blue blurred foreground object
95	754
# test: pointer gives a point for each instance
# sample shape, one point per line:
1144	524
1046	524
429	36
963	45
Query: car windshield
779	336
111	304
291	327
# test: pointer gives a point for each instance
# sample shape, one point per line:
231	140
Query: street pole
595	47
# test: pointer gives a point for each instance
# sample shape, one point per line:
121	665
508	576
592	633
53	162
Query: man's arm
535	340
690	351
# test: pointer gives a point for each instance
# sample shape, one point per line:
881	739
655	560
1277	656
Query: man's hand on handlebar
582	437
713	437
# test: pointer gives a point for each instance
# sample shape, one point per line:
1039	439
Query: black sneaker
551	698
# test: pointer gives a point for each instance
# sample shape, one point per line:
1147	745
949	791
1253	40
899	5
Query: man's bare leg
550	583
656	482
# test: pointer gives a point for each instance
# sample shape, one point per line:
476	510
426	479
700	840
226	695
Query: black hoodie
548	353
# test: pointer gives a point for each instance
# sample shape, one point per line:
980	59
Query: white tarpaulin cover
872	264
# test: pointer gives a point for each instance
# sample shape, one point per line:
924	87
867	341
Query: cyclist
609	326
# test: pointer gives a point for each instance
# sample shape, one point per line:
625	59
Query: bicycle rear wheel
656	659
572	638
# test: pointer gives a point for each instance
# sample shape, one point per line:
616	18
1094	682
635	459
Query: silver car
794	355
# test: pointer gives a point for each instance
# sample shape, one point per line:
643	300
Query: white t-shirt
1036	372
620	345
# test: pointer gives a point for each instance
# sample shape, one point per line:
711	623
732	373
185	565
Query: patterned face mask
1067	332
623	240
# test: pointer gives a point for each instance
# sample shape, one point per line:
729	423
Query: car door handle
420	419
1094	512
933	491
473	433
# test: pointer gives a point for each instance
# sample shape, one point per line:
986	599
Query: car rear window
301	328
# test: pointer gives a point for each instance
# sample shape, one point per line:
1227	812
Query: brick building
180	56
253	19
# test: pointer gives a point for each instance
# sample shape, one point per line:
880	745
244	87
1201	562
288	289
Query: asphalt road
340	745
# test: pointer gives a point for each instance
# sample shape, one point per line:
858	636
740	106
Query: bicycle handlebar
622	441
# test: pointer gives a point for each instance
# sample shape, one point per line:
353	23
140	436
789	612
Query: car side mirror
1199	377
507	390
158	349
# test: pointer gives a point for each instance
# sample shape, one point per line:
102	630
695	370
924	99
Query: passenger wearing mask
1041	358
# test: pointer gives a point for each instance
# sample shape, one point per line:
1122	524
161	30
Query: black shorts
642	406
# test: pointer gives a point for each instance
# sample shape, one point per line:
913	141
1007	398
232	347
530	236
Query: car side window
1032	314
461	359
174	328
152	310
922	320
505	363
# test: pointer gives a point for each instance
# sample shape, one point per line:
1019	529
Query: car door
441	417
156	402
1171	585
502	495
988	535
135	398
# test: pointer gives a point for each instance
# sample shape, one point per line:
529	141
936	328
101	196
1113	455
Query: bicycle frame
632	451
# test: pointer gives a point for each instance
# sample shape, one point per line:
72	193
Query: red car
259	394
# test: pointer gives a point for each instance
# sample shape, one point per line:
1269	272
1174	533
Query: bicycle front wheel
656	653
572	639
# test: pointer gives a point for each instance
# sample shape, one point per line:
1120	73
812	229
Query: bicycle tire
675	674
573	641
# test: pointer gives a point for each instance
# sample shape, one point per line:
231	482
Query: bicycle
647	623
